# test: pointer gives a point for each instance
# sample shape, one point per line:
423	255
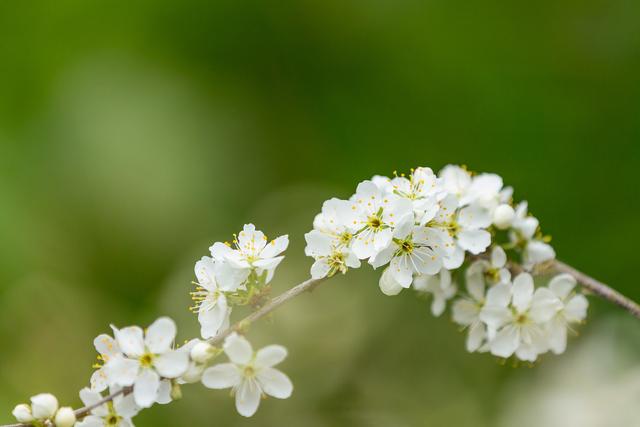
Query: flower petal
145	389
224	375
91	397
522	291
248	398
576	308
498	257
562	285
275	383
505	342
121	371
160	335
238	349
275	247
106	345
474	241
270	355
130	340
171	364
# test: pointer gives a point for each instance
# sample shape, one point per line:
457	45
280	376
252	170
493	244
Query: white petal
576	308
171	364
438	305
99	381
160	335
465	312
544	306
320	268
106	345
495	316
275	247
224	375
318	244
229	277
455	259
383	257
275	383
557	336
90	421
382	239
499	295
505	342
270	355
238	349
474	241
125	406
401	271
130	340
537	252
388	285
474	217
145	389
498	257
562	285
91	397
522	291
121	371
248	398
205	273
527	352
477	335
164	393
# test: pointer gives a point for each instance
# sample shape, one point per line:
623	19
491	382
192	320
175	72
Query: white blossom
455	181
117	413
493	270
330	256
249	374
516	315
412	250
252	252
375	215
210	300
440	286
107	348
523	234
466	312
147	358
573	310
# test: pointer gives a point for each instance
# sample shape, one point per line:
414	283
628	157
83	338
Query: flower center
345	238
406	246
374	222
522	319
146	360
249	371
112	420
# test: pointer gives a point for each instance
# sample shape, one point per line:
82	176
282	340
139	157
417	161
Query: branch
599	288
242	325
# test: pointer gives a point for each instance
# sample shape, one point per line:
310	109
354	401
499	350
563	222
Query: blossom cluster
427	229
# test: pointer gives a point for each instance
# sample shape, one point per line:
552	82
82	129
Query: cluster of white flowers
426	229
44	410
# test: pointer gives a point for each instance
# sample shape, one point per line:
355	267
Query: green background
135	134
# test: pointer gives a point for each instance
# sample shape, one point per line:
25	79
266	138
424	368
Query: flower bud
65	417
202	352
176	391
44	405
503	216
22	412
388	285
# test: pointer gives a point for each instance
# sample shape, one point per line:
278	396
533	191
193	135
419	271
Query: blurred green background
135	134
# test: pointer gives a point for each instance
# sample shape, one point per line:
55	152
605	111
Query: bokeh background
135	134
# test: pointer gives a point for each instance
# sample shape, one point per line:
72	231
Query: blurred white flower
439	286
573	310
250	374
329	257
107	348
523	234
